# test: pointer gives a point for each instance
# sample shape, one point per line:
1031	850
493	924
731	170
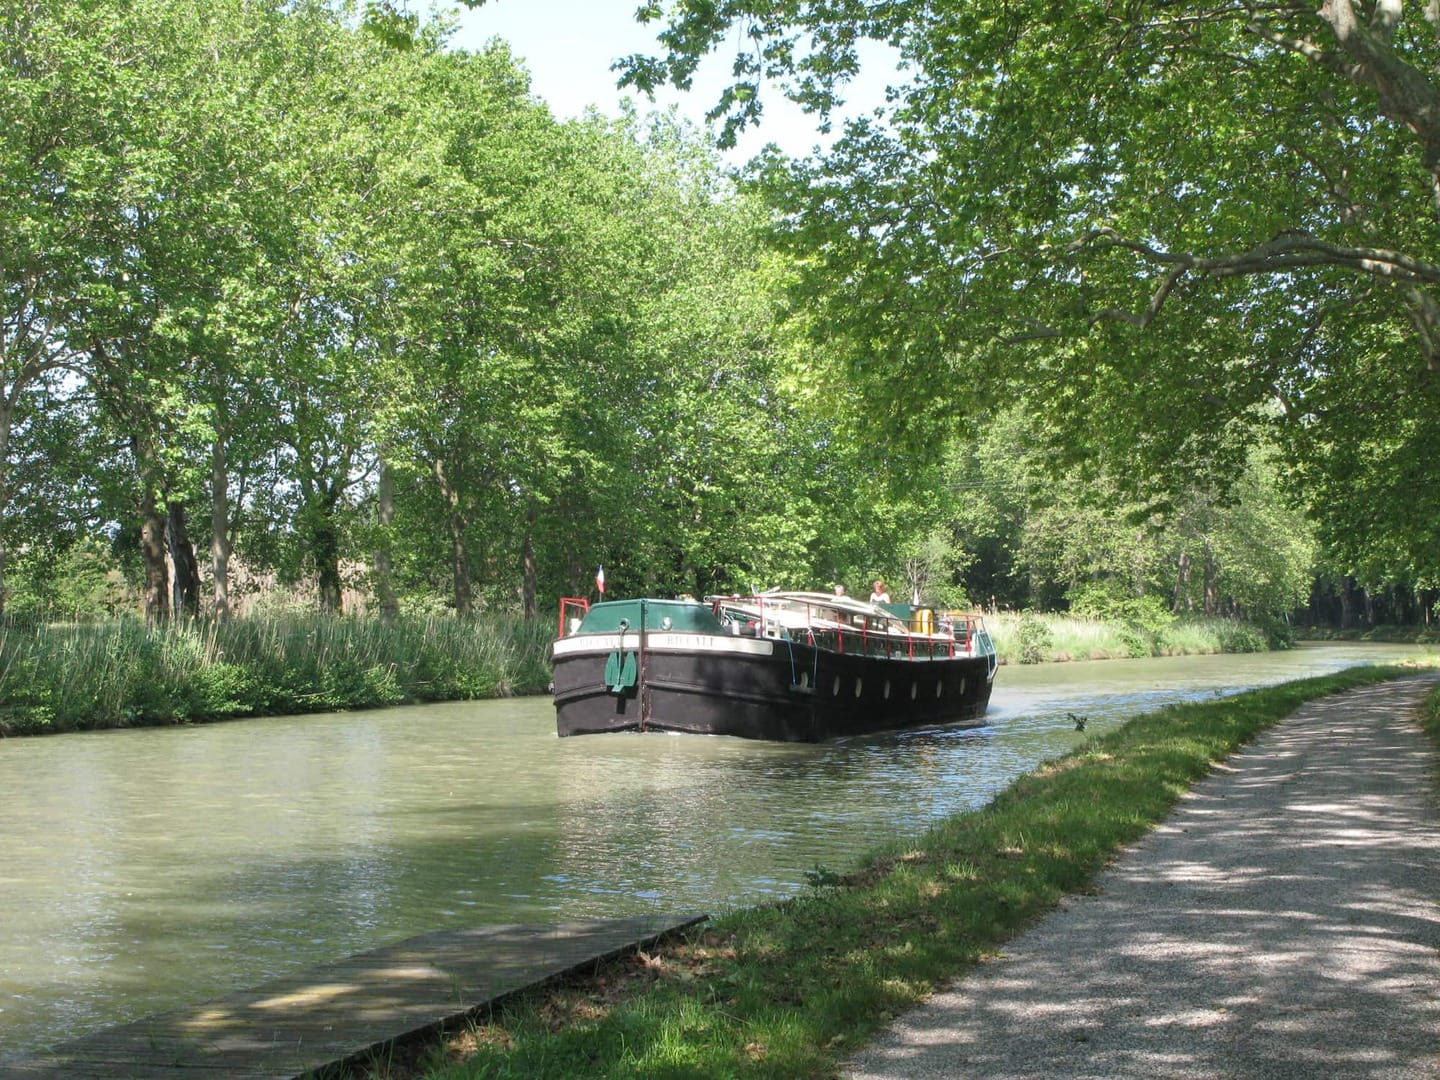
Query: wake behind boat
786	666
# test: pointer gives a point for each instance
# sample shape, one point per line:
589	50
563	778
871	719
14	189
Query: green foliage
1416	635
82	582
1158	187
1033	638
1137	644
300	239
116	674
1239	638
1431	714
1279	633
1069	638
1102	600
1043	532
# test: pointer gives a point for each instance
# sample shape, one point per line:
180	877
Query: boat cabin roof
682	615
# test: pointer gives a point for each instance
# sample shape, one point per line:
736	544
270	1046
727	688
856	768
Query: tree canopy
296	293
1176	225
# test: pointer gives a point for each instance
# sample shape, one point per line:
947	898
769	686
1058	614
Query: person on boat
879	594
839	590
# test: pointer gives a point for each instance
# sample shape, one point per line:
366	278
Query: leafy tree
1166	216
59	87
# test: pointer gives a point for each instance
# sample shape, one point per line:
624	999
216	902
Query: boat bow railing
572	612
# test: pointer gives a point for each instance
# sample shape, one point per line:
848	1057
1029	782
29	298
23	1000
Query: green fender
621	671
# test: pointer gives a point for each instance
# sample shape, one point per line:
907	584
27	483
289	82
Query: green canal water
142	870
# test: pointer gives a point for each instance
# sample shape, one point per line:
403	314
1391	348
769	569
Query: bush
1241	638
1279	633
1033	638
81	582
1137	643
1105	600
224	689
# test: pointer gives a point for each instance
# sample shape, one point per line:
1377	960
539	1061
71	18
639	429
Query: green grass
125	673
790	990
1431	716
1039	638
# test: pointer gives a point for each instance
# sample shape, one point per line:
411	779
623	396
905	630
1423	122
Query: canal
142	870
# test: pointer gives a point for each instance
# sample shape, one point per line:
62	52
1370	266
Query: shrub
1105	600
1241	638
1137	643
225	689
1279	633
1033	638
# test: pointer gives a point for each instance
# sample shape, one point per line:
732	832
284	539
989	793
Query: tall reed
1032	637
122	673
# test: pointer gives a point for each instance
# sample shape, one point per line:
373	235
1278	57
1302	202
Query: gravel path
1282	922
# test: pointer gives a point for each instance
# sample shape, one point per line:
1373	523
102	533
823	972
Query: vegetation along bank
123	673
791	989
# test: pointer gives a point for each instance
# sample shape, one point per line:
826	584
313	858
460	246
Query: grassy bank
789	990
124	673
1034	638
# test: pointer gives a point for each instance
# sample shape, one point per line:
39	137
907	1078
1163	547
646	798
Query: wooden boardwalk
341	1011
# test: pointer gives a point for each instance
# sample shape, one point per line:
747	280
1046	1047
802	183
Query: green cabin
686	616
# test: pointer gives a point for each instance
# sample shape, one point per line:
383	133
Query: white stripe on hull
663	641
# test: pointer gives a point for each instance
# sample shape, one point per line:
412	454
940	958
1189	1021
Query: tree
1169	216
158	133
59	86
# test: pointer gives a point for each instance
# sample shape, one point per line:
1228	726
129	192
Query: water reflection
141	870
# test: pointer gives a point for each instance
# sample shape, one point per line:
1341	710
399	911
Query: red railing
569	604
848	631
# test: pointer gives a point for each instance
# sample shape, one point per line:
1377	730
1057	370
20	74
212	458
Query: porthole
835	690
962	685
858	685
914	690
939	687
887	690
804	680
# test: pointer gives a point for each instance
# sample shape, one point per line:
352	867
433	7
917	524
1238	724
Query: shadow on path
1282	922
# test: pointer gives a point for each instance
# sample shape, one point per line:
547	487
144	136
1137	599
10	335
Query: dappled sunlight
1281	922
312	1020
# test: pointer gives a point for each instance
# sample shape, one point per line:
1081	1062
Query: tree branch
1424	315
1285	252
1282	254
1385	18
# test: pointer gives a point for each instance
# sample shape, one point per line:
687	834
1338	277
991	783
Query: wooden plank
339	1011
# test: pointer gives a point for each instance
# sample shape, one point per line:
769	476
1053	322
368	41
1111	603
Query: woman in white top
879	595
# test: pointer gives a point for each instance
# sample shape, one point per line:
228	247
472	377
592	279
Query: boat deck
343	1011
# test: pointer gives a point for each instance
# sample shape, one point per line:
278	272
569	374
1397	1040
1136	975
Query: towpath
1282	922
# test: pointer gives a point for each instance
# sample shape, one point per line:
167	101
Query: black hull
765	689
